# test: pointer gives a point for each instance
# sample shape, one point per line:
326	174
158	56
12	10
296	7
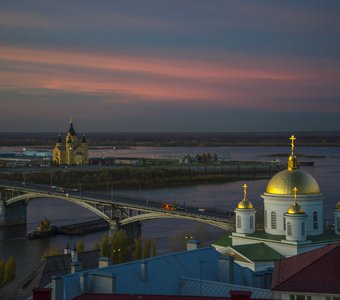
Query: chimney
240	295
75	267
226	269
84	283
144	270
57	282
103	282
104	262
193	244
42	294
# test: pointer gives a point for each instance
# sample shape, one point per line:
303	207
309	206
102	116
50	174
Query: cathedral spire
59	141
71	130
83	140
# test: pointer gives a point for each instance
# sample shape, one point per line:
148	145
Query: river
166	232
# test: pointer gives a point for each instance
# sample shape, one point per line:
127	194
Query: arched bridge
112	208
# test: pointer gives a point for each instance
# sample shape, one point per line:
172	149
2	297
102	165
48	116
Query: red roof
235	295
317	271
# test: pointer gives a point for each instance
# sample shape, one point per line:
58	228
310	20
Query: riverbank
109	178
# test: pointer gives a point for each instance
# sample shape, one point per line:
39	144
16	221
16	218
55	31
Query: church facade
293	220
73	152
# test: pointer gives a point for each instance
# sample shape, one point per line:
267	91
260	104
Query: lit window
289	228
315	220
238	221
273	219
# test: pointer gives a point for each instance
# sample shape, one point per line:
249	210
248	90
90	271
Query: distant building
73	152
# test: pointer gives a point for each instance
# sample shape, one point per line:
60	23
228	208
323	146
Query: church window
265	218
273	219
315	220
284	223
303	229
289	228
238	221
251	220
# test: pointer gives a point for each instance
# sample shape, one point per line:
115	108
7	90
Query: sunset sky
179	65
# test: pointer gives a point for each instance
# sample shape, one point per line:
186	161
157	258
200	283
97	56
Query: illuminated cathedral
73	152
293	220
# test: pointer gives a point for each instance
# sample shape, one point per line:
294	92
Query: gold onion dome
283	182
245	204
337	206
295	209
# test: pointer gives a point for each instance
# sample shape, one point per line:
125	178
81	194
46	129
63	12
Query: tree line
7	270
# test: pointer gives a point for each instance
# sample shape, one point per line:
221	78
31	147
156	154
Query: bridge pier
113	228
14	214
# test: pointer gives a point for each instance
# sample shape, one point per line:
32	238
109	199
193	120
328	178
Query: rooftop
301	273
182	273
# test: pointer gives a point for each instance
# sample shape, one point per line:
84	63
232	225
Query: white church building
293	220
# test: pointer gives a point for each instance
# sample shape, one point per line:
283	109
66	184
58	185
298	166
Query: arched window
315	220
303	229
273	219
265	219
251	221
238	221
284	223
289	228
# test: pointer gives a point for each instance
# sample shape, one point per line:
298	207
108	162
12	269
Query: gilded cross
295	192
245	191
292	138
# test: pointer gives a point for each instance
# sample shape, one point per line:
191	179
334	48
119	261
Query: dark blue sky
170	65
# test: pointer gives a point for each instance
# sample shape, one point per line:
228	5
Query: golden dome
283	183
295	209
337	206
245	204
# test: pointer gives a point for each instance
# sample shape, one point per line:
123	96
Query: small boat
39	234
44	229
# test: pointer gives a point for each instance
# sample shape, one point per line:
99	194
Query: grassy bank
137	177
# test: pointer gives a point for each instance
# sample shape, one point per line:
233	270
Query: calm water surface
225	196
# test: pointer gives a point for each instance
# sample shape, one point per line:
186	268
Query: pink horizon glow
226	83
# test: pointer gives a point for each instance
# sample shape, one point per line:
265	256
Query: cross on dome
245	191
295	193
292	138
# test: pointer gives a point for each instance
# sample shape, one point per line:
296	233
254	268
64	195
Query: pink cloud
252	83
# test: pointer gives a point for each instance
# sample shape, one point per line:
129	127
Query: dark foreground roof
316	271
40	275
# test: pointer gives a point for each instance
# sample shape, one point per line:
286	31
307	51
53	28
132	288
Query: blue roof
165	273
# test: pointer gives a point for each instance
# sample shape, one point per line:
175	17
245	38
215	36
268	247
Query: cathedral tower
73	152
